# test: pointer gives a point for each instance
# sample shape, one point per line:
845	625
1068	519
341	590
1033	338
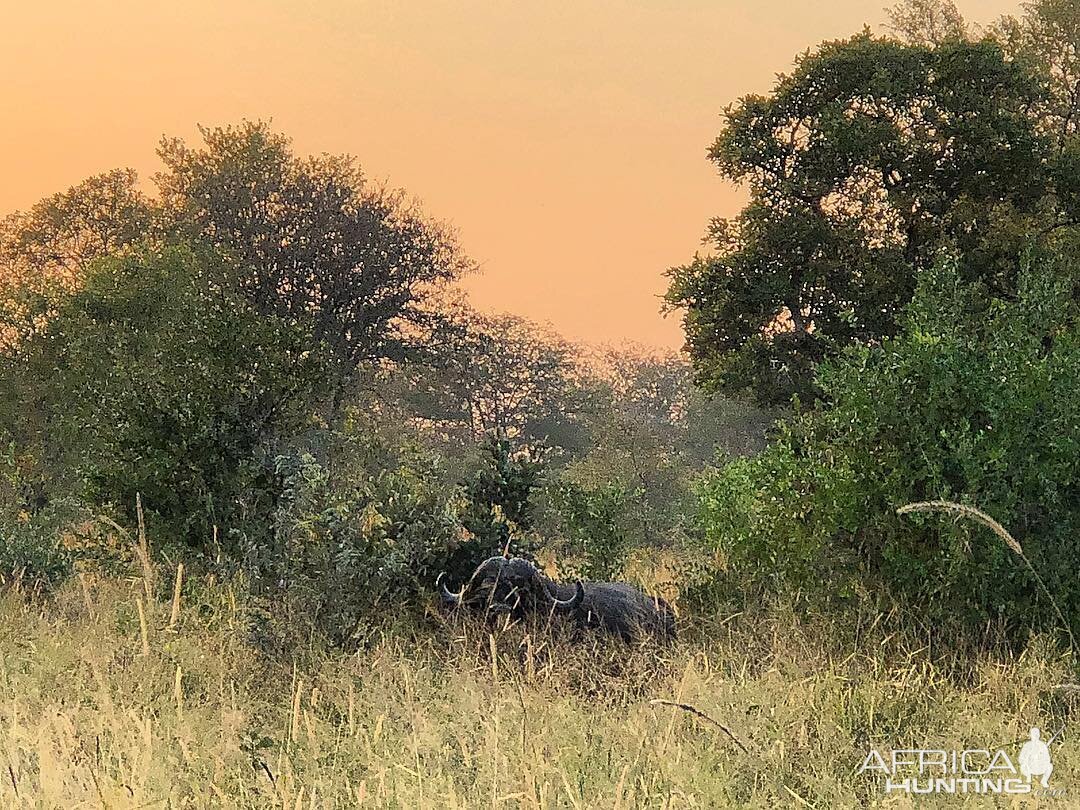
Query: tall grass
439	712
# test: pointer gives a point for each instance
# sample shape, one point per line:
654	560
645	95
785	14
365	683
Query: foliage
1047	36
369	519
499	507
973	401
312	243
648	434
350	265
44	251
60	235
927	22
356	533
31	552
156	377
862	163
599	524
499	375
131	365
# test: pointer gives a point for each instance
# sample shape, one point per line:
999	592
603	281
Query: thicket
265	366
974	401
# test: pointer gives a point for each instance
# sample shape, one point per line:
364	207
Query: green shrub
499	506
31	553
367	521
342	549
975	402
598	524
157	378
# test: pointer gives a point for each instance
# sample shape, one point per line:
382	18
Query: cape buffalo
516	586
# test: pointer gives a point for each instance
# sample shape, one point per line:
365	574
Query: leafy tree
45	251
501	375
313	243
927	22
649	433
862	164
500	509
44	256
157	377
973	401
1047	36
297	269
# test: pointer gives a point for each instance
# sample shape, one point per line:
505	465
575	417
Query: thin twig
174	617
144	550
686	707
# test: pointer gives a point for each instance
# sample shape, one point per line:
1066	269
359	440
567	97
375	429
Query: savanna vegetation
247	417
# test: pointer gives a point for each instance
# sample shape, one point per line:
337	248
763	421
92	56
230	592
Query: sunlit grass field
104	705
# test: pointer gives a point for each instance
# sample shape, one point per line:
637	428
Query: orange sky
565	140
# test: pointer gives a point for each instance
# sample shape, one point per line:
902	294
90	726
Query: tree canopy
862	164
312	242
318	246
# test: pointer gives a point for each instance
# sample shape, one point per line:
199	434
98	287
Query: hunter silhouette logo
1035	759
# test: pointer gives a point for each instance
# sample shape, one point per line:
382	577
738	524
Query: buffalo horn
566	604
449	596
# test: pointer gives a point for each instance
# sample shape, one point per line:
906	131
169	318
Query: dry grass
439	713
971	513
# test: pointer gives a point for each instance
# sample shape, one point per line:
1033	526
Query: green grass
438	713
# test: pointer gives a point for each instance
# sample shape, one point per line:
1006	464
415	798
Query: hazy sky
564	140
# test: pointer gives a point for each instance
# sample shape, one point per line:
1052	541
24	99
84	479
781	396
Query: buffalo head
514	586
517	587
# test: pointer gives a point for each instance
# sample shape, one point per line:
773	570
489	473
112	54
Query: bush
975	402
499	506
598	524
372	517
342	551
157	378
31	553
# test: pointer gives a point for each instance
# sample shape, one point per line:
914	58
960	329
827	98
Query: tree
862	164
1047	35
160	346
504	376
157	378
972	401
45	250
313	243
63	233
927	22
499	509
649	434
